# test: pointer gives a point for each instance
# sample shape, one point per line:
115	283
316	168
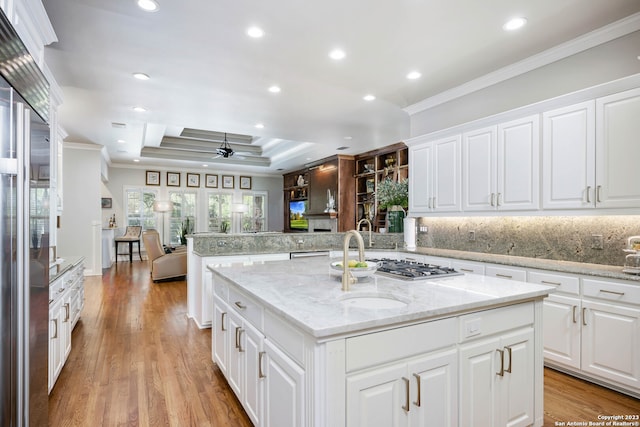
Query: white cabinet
568	157
434	169
504	272
396	380
609	306
617	150
55	342
268	383
497	385
501	166
284	388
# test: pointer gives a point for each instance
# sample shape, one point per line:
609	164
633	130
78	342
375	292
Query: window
184	207
139	208
219	212
255	219
38	215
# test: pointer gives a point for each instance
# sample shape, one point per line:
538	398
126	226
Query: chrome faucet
370	228
347	277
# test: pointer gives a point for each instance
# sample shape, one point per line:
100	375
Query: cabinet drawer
563	283
506	273
247	307
611	291
220	287
289	339
468	267
498	320
381	347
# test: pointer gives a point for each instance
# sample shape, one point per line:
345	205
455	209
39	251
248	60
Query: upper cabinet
568	157
434	170
617	150
500	166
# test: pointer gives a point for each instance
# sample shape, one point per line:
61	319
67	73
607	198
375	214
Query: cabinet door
518	163
517	383
235	362
479	365
479	169
446	175
420	173
568	157
220	335
434	393
617	150
611	342
284	389
561	330
252	343
379	397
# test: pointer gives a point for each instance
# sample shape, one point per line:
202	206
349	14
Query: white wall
80	224
609	61
122	176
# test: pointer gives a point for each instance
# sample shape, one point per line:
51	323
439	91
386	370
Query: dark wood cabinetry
371	168
334	175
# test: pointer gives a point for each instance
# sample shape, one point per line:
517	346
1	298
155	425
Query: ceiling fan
225	149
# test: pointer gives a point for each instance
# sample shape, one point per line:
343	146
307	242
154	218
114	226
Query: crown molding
587	41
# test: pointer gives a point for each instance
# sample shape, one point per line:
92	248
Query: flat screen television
297	215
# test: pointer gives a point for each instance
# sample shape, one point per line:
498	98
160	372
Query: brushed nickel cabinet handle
240	305
546	282
406	406
240	349
55	322
501	373
237	329
574	314
611	292
66	310
223	315
493	199
598	190
434	203
584	317
468	270
506	276
260	359
418	380
588	194
509	352
498	203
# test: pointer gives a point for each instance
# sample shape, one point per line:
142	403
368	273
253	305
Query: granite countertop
63	265
313	300
597	270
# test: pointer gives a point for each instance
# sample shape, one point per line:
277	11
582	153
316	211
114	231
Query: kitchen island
298	351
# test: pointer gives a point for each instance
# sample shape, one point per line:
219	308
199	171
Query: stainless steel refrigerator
24	235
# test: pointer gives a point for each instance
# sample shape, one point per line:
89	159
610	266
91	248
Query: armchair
163	266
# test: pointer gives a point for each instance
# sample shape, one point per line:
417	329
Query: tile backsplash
591	239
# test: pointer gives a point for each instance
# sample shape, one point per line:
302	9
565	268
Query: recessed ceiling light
259	126
139	109
414	75
136	160
368	97
255	32
205	166
514	24
148	5
348	138
141	76
274	89
337	54
121	141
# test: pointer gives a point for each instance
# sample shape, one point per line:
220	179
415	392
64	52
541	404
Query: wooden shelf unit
371	168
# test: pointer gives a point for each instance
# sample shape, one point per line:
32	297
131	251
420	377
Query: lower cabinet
497	381
419	392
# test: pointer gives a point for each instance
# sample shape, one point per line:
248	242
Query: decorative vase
395	217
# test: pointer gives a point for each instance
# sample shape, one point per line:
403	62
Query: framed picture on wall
173	179
211	181
193	180
245	183
107	203
228	181
153	178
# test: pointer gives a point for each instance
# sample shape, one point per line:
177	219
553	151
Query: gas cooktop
412	270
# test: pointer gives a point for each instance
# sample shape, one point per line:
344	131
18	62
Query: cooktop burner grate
412	270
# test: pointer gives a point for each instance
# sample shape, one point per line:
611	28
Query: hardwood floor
136	360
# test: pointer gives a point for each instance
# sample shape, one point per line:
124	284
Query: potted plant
394	197
185	228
